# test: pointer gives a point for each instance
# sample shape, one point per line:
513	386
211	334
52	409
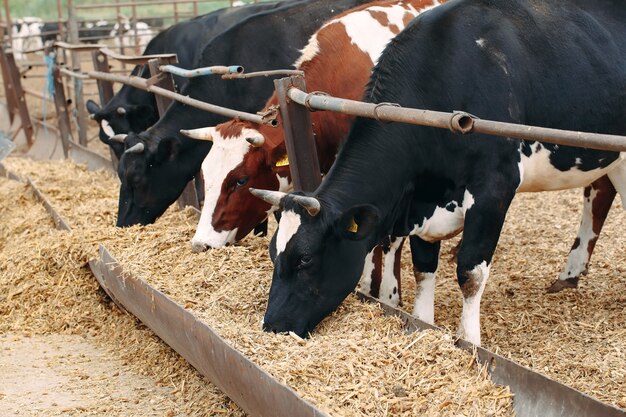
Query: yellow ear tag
353	227
283	162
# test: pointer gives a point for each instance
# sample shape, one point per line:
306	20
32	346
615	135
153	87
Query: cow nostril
197	247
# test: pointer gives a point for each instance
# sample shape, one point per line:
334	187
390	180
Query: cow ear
167	150
358	222
279	161
92	107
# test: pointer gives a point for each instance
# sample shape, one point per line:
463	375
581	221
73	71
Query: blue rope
49	87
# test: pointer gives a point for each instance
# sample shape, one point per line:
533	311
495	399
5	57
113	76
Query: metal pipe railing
458	122
144	84
199	72
270	73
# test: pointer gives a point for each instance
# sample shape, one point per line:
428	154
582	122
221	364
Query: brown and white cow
337	60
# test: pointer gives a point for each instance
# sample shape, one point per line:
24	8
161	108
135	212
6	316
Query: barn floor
57	374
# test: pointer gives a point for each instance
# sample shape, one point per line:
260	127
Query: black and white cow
134	110
538	62
159	162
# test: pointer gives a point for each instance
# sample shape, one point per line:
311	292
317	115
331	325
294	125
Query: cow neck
370	172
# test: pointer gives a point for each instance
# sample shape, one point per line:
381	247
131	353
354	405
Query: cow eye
305	261
242	181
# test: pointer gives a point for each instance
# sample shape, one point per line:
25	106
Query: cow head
150	178
119	120
244	155
318	253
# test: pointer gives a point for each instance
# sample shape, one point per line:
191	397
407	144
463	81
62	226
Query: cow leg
599	196
425	257
390	284
483	224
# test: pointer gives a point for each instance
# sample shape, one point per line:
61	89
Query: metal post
16	82
165	81
79	100
8	87
133	25
301	149
189	196
7	13
60	104
105	89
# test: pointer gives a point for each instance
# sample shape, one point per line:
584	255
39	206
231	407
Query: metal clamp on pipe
199	72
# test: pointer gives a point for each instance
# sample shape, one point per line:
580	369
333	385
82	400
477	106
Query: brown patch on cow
377	272
233	128
605	193
406	19
379	16
471	285
419	277
394	29
397	270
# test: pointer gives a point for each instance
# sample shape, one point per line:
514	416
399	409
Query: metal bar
142	84
130	4
270	73
254	390
9	174
46	126
60	21
82	155
9	22
535	394
37	94
133	23
9	92
137	59
73	74
199	72
74	46
163	81
299	140
105	88
458	122
15	80
60	104
79	101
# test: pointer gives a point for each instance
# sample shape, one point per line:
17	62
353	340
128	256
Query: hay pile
359	362
47	288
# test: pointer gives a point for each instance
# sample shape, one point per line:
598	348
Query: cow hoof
561	284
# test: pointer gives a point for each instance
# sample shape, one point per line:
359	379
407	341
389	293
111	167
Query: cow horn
120	138
272	197
106	128
311	204
256	141
136	148
121	110
203	133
